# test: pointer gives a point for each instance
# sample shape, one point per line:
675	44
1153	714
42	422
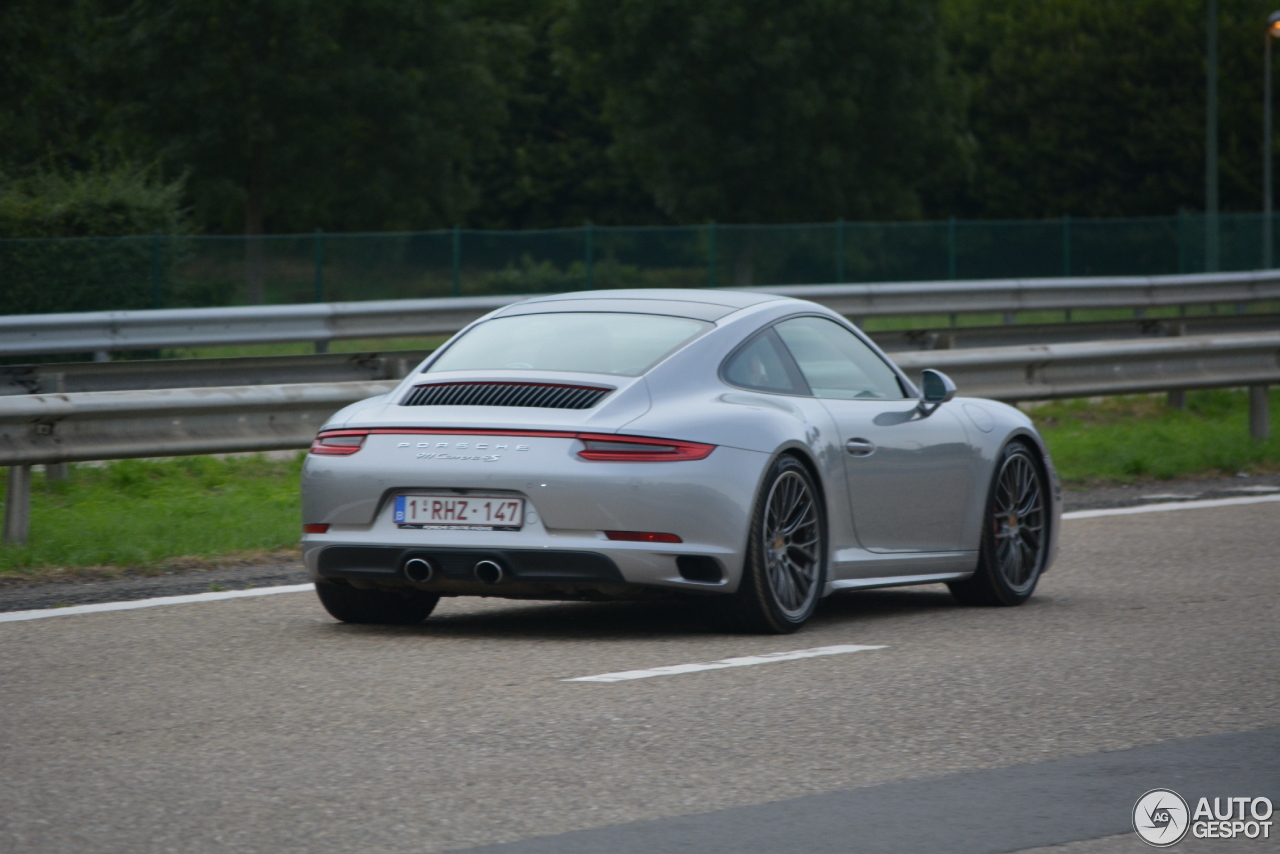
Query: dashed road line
745	661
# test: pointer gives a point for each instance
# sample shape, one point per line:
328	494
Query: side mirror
937	389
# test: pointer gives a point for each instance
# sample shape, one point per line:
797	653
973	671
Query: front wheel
786	561
380	607
1015	534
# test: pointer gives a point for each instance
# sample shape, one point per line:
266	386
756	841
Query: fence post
711	254
317	257
1066	245
457	261
1259	413
1183	249
589	251
951	247
840	251
17	506
157	294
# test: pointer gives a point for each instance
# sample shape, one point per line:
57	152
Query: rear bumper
534	573
569	504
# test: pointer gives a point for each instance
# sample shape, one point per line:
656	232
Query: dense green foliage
1097	107
85	274
770	110
94	202
288	115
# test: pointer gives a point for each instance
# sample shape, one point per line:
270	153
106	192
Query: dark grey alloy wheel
786	562
353	605
1015	534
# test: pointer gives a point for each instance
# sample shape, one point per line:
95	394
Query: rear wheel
353	605
1015	534
785	567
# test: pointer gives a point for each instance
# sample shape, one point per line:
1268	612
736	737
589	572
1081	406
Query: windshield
588	342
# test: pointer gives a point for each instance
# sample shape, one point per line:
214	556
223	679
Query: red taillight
316	528
338	443
635	449
642	537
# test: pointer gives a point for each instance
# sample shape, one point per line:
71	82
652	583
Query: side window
836	363
762	365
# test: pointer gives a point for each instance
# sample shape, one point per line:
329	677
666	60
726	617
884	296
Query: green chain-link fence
88	274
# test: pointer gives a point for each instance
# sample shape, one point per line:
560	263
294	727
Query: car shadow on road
606	621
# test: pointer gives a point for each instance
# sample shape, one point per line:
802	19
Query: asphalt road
1147	658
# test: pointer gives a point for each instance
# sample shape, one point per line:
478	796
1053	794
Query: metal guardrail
200	327
353	367
58	428
1092	368
35	334
54	377
1026	334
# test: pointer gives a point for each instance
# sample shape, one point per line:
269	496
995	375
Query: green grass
1130	438
144	515
147	513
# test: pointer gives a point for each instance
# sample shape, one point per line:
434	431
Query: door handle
860	447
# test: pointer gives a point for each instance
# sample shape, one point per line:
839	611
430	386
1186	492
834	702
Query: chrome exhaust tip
488	572
419	570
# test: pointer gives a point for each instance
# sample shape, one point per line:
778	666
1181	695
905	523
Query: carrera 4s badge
442	451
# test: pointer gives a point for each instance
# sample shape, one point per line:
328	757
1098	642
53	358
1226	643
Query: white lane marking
1177	505
19	616
745	661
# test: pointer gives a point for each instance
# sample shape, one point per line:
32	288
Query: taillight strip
646	447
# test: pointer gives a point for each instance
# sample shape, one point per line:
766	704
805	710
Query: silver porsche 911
752	451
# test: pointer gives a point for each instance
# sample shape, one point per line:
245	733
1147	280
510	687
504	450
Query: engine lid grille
543	395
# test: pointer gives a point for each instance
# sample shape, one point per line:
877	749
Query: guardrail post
17	506
1259	413
1177	397
57	383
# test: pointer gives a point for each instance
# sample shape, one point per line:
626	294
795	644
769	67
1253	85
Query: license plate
449	511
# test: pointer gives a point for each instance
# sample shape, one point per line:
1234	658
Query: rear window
587	342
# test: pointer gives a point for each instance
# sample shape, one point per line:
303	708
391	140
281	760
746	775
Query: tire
786	563
353	605
1015	533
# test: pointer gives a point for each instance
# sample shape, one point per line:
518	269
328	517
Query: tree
48	118
292	114
552	167
1098	108
770	110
